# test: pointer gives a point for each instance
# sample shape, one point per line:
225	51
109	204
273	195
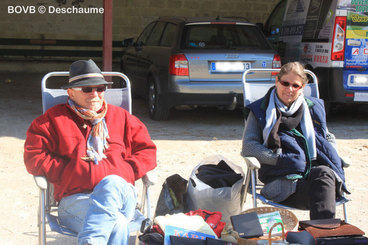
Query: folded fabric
213	219
218	176
329	228
194	223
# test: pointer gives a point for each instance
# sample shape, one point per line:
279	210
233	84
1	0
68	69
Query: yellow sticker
357	34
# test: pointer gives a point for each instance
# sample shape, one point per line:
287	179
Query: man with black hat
92	152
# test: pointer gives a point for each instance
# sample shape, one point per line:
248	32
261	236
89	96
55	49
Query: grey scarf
306	123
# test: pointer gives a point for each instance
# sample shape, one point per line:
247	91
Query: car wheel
157	108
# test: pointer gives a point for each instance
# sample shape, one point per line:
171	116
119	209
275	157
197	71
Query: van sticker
317	54
295	18
321	49
361	8
359	18
354	42
307	48
357	56
320	59
264	64
355	51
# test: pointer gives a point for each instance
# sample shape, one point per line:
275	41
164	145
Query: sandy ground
182	142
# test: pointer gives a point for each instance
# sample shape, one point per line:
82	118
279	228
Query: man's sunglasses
90	89
287	84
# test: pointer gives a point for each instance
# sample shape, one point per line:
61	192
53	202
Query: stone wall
70	20
129	16
49	25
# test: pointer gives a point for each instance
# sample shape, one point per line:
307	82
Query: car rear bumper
208	87
203	86
181	91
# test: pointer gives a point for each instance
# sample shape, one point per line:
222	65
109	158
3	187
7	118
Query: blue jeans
101	217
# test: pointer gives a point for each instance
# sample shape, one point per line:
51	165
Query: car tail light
276	63
179	65
338	41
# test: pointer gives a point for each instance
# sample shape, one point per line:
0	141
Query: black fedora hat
85	73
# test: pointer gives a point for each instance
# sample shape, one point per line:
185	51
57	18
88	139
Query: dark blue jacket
294	158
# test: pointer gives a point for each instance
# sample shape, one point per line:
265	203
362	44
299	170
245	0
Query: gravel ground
183	141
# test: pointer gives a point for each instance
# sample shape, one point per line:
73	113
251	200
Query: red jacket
57	140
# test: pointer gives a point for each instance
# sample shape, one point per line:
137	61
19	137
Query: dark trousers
316	193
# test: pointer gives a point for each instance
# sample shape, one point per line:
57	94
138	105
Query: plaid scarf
96	142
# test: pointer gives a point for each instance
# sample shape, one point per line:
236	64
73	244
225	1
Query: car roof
186	20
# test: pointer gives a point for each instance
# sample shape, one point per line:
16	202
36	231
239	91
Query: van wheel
157	108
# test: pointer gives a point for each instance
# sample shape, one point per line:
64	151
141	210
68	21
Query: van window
319	22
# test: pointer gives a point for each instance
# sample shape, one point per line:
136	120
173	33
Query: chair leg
144	208
143	200
345	213
246	186
42	218
254	193
136	242
148	204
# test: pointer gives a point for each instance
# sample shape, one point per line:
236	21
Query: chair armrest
150	178
252	162
41	182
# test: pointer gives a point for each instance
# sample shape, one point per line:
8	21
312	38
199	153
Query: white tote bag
227	200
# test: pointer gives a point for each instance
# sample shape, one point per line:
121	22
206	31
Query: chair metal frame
311	89
47	205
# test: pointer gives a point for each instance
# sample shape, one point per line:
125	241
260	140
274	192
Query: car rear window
223	36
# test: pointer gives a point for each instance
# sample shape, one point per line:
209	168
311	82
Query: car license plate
361	97
230	66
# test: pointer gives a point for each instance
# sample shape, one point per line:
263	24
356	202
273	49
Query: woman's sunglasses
287	84
90	89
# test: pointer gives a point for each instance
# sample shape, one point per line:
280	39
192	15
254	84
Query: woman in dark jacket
287	133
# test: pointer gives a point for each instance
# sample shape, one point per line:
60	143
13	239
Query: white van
331	38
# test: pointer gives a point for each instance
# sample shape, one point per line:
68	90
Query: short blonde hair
297	68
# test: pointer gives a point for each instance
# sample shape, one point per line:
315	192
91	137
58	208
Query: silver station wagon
194	61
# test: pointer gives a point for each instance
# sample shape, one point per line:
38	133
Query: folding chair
47	212
253	91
